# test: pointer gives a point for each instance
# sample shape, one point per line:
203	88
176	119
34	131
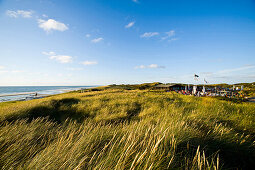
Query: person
35	93
198	93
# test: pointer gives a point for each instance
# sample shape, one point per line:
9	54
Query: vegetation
114	128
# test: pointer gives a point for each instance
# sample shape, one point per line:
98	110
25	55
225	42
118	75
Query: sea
14	93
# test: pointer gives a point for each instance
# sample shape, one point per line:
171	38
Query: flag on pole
196	77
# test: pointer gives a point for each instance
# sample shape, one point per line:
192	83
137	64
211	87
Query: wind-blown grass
126	129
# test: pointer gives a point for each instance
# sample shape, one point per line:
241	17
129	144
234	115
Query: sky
99	42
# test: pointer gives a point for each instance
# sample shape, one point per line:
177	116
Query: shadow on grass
134	110
233	155
131	115
55	110
61	110
232	125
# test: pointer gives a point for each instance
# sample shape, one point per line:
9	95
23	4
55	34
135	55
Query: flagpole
195	85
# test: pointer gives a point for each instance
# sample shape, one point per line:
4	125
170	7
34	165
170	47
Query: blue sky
99	42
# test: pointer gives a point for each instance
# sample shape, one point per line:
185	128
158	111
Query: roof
166	85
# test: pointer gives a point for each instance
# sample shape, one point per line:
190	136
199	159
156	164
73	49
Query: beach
21	93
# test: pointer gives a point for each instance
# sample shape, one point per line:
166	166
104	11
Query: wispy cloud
2	67
149	66
62	58
246	67
149	34
155	66
59	58
51	24
97	40
141	67
243	72
21	13
136	1
172	39
89	63
129	25
169	34
49	53
87	35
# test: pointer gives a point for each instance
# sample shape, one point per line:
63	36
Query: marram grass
126	129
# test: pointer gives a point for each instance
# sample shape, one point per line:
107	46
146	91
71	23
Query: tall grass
126	129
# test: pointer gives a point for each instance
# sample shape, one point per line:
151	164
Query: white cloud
2	67
155	66
169	34
97	40
22	13
49	53
45	16
25	14
149	66
59	58
89	63
11	13
62	58
149	34
136	1
88	35
51	24
129	25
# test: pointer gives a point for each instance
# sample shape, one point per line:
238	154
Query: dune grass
126	129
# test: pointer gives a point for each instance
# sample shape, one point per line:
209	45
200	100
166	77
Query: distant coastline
20	93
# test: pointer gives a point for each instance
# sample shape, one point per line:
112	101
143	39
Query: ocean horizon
13	93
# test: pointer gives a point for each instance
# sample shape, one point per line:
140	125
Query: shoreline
25	96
